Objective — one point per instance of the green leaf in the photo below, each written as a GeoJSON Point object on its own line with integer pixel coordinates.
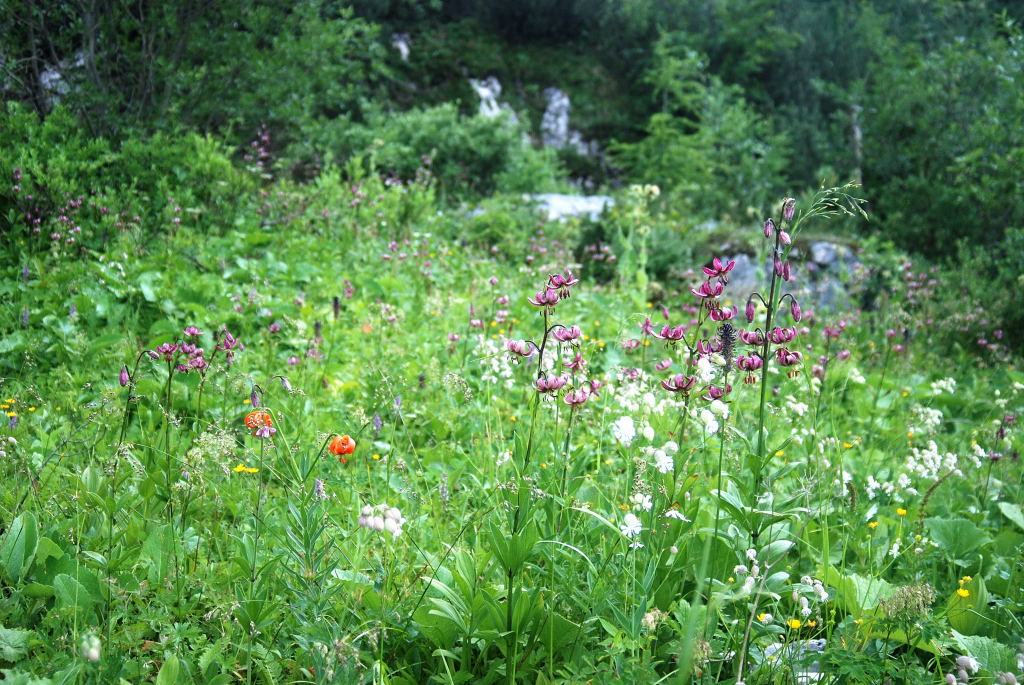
{"type": "Point", "coordinates": [991, 655]}
{"type": "Point", "coordinates": [46, 550]}
{"type": "Point", "coordinates": [957, 537]}
{"type": "Point", "coordinates": [71, 593]}
{"type": "Point", "coordinates": [19, 546]}
{"type": "Point", "coordinates": [168, 672]}
{"type": "Point", "coordinates": [968, 614]}
{"type": "Point", "coordinates": [1013, 512]}
{"type": "Point", "coordinates": [859, 594]}
{"type": "Point", "coordinates": [156, 552]}
{"type": "Point", "coordinates": [146, 285]}
{"type": "Point", "coordinates": [13, 643]}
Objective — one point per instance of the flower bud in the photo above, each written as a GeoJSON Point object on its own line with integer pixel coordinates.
{"type": "Point", "coordinates": [769, 228]}
{"type": "Point", "coordinates": [788, 208]}
{"type": "Point", "coordinates": [751, 311]}
{"type": "Point", "coordinates": [125, 377]}
{"type": "Point", "coordinates": [784, 238]}
{"type": "Point", "coordinates": [794, 309]}
{"type": "Point", "coordinates": [254, 399]}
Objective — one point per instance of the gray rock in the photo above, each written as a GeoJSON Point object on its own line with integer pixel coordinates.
{"type": "Point", "coordinates": [556, 206]}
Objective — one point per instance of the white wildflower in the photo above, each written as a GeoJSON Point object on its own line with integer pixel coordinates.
{"type": "Point", "coordinates": [631, 526]}
{"type": "Point", "coordinates": [624, 430]}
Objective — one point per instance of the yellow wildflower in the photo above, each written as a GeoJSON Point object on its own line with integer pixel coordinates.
{"type": "Point", "coordinates": [873, 525]}
{"type": "Point", "coordinates": [901, 511]}
{"type": "Point", "coordinates": [963, 592]}
{"type": "Point", "coordinates": [793, 623]}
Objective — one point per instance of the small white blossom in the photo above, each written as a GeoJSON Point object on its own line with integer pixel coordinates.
{"type": "Point", "coordinates": [631, 526]}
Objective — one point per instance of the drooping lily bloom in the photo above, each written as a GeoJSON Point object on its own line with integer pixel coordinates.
{"type": "Point", "coordinates": [563, 283]}
{"type": "Point", "coordinates": [679, 383]}
{"type": "Point", "coordinates": [575, 398]}
{"type": "Point", "coordinates": [631, 344]}
{"type": "Point", "coordinates": [192, 332]}
{"type": "Point", "coordinates": [257, 419]}
{"type": "Point", "coordinates": [594, 384]}
{"type": "Point", "coordinates": [752, 337]}
{"type": "Point", "coordinates": [750, 365]}
{"type": "Point", "coordinates": [715, 392]}
{"type": "Point", "coordinates": [781, 336]}
{"type": "Point", "coordinates": [718, 268]}
{"type": "Point", "coordinates": [544, 298]}
{"type": "Point", "coordinates": [576, 364]}
{"type": "Point", "coordinates": [787, 357]}
{"type": "Point", "coordinates": [646, 328]}
{"type": "Point", "coordinates": [663, 364]}
{"type": "Point", "coordinates": [167, 351]}
{"type": "Point", "coordinates": [723, 313]}
{"type": "Point", "coordinates": [264, 432]}
{"type": "Point", "coordinates": [670, 333]}
{"type": "Point", "coordinates": [708, 289]}
{"type": "Point", "coordinates": [342, 445]}
{"type": "Point", "coordinates": [551, 384]}
{"type": "Point", "coordinates": [522, 348]}
{"type": "Point", "coordinates": [566, 334]}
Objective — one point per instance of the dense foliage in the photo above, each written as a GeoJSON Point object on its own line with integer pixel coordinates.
{"type": "Point", "coordinates": [300, 385]}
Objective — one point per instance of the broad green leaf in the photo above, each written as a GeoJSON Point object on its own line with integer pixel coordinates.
{"type": "Point", "coordinates": [967, 613]}
{"type": "Point", "coordinates": [991, 655]}
{"type": "Point", "coordinates": [859, 594]}
{"type": "Point", "coordinates": [1013, 512]}
{"type": "Point", "coordinates": [19, 546]}
{"type": "Point", "coordinates": [71, 593]}
{"type": "Point", "coordinates": [957, 537]}
{"type": "Point", "coordinates": [168, 672]}
{"type": "Point", "coordinates": [13, 643]}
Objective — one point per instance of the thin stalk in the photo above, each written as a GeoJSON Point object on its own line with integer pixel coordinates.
{"type": "Point", "coordinates": [769, 316]}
